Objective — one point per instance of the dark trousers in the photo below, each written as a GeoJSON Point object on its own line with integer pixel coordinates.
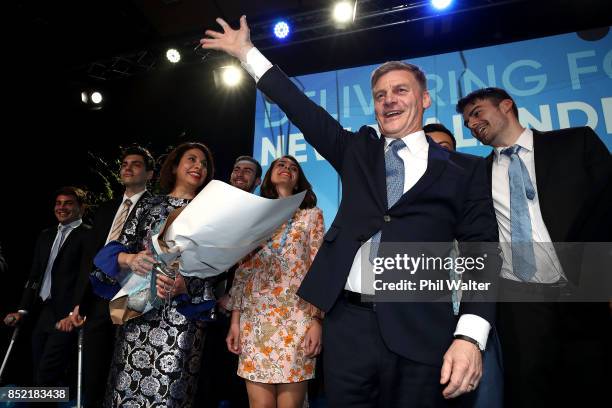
{"type": "Point", "coordinates": [98, 344]}
{"type": "Point", "coordinates": [218, 380]}
{"type": "Point", "coordinates": [554, 353]}
{"type": "Point", "coordinates": [361, 372]}
{"type": "Point", "coordinates": [490, 391]}
{"type": "Point", "coordinates": [52, 350]}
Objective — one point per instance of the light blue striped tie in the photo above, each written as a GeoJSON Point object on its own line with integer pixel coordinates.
{"type": "Point", "coordinates": [521, 189]}
{"type": "Point", "coordinates": [45, 290]}
{"type": "Point", "coordinates": [394, 167]}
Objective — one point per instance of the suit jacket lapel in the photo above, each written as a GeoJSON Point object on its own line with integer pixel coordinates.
{"type": "Point", "coordinates": [377, 179]}
{"type": "Point", "coordinates": [489, 160]}
{"type": "Point", "coordinates": [111, 211]}
{"type": "Point", "coordinates": [71, 237]}
{"type": "Point", "coordinates": [50, 237]}
{"type": "Point", "coordinates": [544, 159]}
{"type": "Point", "coordinates": [437, 159]}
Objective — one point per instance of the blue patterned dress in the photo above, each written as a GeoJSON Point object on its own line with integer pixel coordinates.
{"type": "Point", "coordinates": [157, 355]}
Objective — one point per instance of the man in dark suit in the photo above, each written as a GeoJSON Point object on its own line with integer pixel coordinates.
{"type": "Point", "coordinates": [489, 393]}
{"type": "Point", "coordinates": [136, 170]}
{"type": "Point", "coordinates": [388, 353]}
{"type": "Point", "coordinates": [554, 352]}
{"type": "Point", "coordinates": [47, 294]}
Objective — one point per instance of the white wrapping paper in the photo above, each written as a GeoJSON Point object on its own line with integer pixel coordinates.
{"type": "Point", "coordinates": [220, 226]}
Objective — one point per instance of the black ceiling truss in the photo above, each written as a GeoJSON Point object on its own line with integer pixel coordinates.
{"type": "Point", "coordinates": [307, 26]}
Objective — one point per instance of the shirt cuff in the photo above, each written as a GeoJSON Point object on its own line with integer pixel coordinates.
{"type": "Point", "coordinates": [256, 64]}
{"type": "Point", "coordinates": [475, 327]}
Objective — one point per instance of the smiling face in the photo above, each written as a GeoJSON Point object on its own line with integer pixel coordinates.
{"type": "Point", "coordinates": [399, 103]}
{"type": "Point", "coordinates": [67, 209]}
{"type": "Point", "coordinates": [191, 170]}
{"type": "Point", "coordinates": [244, 176]}
{"type": "Point", "coordinates": [487, 121]}
{"type": "Point", "coordinates": [285, 173]}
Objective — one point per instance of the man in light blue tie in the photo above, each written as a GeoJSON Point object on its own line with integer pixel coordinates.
{"type": "Point", "coordinates": [398, 186]}
{"type": "Point", "coordinates": [547, 188]}
{"type": "Point", "coordinates": [48, 291]}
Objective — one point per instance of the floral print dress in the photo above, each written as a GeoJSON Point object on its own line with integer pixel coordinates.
{"type": "Point", "coordinates": [157, 355]}
{"type": "Point", "coordinates": [273, 319]}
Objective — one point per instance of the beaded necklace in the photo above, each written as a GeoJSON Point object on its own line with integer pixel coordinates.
{"type": "Point", "coordinates": [283, 240]}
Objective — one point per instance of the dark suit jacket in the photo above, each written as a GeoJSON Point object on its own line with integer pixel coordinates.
{"type": "Point", "coordinates": [573, 176]}
{"type": "Point", "coordinates": [65, 270]}
{"type": "Point", "coordinates": [451, 201]}
{"type": "Point", "coordinates": [90, 304]}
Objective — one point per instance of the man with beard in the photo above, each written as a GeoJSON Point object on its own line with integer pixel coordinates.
{"type": "Point", "coordinates": [547, 187]}
{"type": "Point", "coordinates": [221, 383]}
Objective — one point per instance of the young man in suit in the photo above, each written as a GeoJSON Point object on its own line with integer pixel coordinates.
{"type": "Point", "coordinates": [547, 187]}
{"type": "Point", "coordinates": [388, 353]}
{"type": "Point", "coordinates": [136, 169]}
{"type": "Point", "coordinates": [47, 294]}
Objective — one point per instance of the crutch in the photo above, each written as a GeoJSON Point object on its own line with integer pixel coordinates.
{"type": "Point", "coordinates": [8, 352]}
{"type": "Point", "coordinates": [80, 368]}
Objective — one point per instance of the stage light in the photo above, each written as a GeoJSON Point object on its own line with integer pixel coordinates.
{"type": "Point", "coordinates": [228, 76]}
{"type": "Point", "coordinates": [96, 97]}
{"type": "Point", "coordinates": [344, 11]}
{"type": "Point", "coordinates": [173, 55]}
{"type": "Point", "coordinates": [231, 75]}
{"type": "Point", "coordinates": [281, 30]}
{"type": "Point", "coordinates": [441, 4]}
{"type": "Point", "coordinates": [92, 99]}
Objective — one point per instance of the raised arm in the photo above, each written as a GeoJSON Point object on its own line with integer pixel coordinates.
{"type": "Point", "coordinates": [320, 129]}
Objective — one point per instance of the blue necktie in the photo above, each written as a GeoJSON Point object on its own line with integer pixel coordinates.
{"type": "Point", "coordinates": [521, 189]}
{"type": "Point", "coordinates": [45, 290]}
{"type": "Point", "coordinates": [394, 168]}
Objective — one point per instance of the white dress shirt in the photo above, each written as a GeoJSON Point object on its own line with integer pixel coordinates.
{"type": "Point", "coordinates": [414, 156]}
{"type": "Point", "coordinates": [134, 199]}
{"type": "Point", "coordinates": [548, 267]}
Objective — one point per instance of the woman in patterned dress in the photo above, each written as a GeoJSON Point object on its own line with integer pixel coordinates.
{"type": "Point", "coordinates": [276, 333]}
{"type": "Point", "coordinates": [157, 354]}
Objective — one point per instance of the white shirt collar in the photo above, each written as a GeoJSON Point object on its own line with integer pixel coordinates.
{"type": "Point", "coordinates": [414, 141]}
{"type": "Point", "coordinates": [73, 224]}
{"type": "Point", "coordinates": [134, 198]}
{"type": "Point", "coordinates": [525, 140]}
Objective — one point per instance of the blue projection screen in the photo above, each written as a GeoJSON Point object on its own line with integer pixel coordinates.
{"type": "Point", "coordinates": [557, 82]}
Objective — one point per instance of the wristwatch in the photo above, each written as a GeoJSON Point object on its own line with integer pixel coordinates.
{"type": "Point", "coordinates": [468, 338]}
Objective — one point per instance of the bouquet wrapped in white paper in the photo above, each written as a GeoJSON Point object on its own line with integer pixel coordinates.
{"type": "Point", "coordinates": [219, 227]}
{"type": "Point", "coordinates": [214, 231]}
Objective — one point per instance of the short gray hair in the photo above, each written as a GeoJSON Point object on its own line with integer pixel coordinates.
{"type": "Point", "coordinates": [389, 66]}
